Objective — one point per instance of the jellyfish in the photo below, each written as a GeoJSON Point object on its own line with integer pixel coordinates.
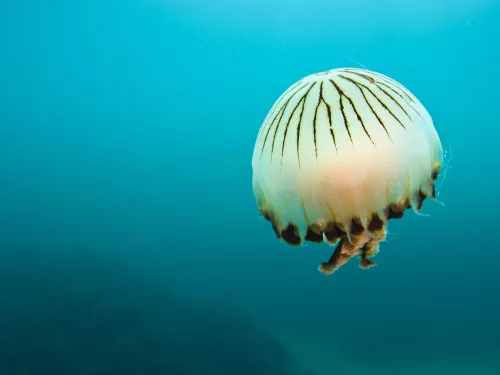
{"type": "Point", "coordinates": [339, 154]}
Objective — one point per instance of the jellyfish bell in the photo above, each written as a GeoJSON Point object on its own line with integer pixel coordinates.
{"type": "Point", "coordinates": [339, 154]}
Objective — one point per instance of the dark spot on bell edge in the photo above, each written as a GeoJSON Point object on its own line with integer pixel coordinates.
{"type": "Point", "coordinates": [291, 235]}
{"type": "Point", "coordinates": [313, 236]}
{"type": "Point", "coordinates": [376, 223]}
{"type": "Point", "coordinates": [333, 233]}
{"type": "Point", "coordinates": [391, 214]}
{"type": "Point", "coordinates": [356, 226]}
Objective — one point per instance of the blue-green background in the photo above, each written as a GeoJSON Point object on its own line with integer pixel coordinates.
{"type": "Point", "coordinates": [129, 238]}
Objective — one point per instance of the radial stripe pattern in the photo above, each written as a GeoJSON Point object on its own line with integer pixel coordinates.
{"type": "Point", "coordinates": [383, 97]}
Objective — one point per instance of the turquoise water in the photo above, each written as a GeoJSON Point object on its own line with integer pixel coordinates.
{"type": "Point", "coordinates": [130, 240]}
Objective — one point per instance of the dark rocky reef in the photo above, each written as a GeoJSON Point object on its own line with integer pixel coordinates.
{"type": "Point", "coordinates": [80, 313]}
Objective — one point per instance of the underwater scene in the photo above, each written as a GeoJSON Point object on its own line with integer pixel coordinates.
{"type": "Point", "coordinates": [249, 187]}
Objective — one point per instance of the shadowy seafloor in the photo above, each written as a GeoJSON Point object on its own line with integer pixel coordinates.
{"type": "Point", "coordinates": [78, 313]}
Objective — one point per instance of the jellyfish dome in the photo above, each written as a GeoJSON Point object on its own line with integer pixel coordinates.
{"type": "Point", "coordinates": [339, 154]}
